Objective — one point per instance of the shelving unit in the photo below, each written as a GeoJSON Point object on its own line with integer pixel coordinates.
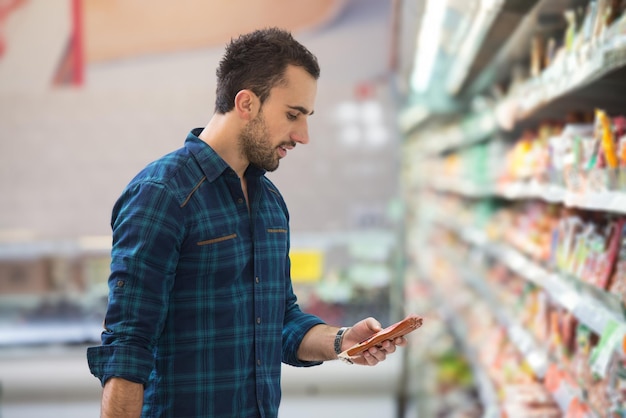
{"type": "Point", "coordinates": [560, 333]}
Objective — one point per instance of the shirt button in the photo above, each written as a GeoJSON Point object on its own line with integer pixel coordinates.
{"type": "Point", "coordinates": [258, 320]}
{"type": "Point", "coordinates": [258, 362]}
{"type": "Point", "coordinates": [120, 283]}
{"type": "Point", "coordinates": [257, 280]}
{"type": "Point", "coordinates": [240, 201]}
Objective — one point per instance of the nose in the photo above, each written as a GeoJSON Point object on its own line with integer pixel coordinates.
{"type": "Point", "coordinates": [301, 134]}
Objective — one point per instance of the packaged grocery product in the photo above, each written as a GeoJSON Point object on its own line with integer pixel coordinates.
{"type": "Point", "coordinates": [603, 254]}
{"type": "Point", "coordinates": [617, 387]}
{"type": "Point", "coordinates": [603, 175]}
{"type": "Point", "coordinates": [530, 399]}
{"type": "Point", "coordinates": [567, 328]}
{"type": "Point", "coordinates": [579, 409]}
{"type": "Point", "coordinates": [571, 229]}
{"type": "Point", "coordinates": [618, 280]}
{"type": "Point", "coordinates": [619, 124]}
{"type": "Point", "coordinates": [571, 153]}
{"type": "Point", "coordinates": [537, 54]}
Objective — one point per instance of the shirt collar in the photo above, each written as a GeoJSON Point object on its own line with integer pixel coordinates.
{"type": "Point", "coordinates": [210, 162]}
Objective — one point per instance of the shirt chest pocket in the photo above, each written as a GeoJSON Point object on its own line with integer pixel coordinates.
{"type": "Point", "coordinates": [217, 253]}
{"type": "Point", "coordinates": [217, 240]}
{"type": "Point", "coordinates": [223, 250]}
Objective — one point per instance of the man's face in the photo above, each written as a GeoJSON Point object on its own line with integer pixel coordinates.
{"type": "Point", "coordinates": [282, 121]}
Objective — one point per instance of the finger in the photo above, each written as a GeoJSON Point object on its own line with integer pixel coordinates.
{"type": "Point", "coordinates": [370, 359]}
{"type": "Point", "coordinates": [389, 347]}
{"type": "Point", "coordinates": [362, 361]}
{"type": "Point", "coordinates": [378, 354]}
{"type": "Point", "coordinates": [401, 342]}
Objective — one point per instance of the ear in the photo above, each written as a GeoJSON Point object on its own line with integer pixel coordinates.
{"type": "Point", "coordinates": [246, 104]}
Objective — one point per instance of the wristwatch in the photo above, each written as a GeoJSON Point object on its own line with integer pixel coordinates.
{"type": "Point", "coordinates": [339, 339]}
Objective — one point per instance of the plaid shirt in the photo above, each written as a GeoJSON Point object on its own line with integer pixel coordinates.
{"type": "Point", "coordinates": [201, 306]}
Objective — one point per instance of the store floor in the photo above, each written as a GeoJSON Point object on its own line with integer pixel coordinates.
{"type": "Point", "coordinates": [55, 382]}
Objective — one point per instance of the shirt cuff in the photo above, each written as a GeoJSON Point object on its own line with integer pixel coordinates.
{"type": "Point", "coordinates": [130, 363]}
{"type": "Point", "coordinates": [292, 337]}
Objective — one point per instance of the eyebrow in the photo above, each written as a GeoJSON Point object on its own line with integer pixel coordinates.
{"type": "Point", "coordinates": [302, 110]}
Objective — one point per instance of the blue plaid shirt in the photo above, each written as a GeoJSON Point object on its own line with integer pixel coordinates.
{"type": "Point", "coordinates": [201, 306]}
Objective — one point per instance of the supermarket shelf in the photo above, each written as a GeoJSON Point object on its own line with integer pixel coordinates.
{"type": "Point", "coordinates": [565, 392]}
{"type": "Point", "coordinates": [582, 81]}
{"type": "Point", "coordinates": [504, 21]}
{"type": "Point", "coordinates": [592, 76]}
{"type": "Point", "coordinates": [591, 306]}
{"type": "Point", "coordinates": [605, 201]}
{"type": "Point", "coordinates": [472, 129]}
{"type": "Point", "coordinates": [486, 390]}
{"type": "Point", "coordinates": [484, 385]}
{"type": "Point", "coordinates": [608, 201]}
{"type": "Point", "coordinates": [536, 357]}
{"type": "Point", "coordinates": [461, 187]}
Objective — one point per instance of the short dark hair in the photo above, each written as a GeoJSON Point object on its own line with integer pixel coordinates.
{"type": "Point", "coordinates": [257, 61]}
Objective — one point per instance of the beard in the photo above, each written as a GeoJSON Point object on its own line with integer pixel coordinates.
{"type": "Point", "coordinates": [255, 145]}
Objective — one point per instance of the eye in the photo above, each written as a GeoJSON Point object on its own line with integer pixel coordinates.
{"type": "Point", "coordinates": [292, 116]}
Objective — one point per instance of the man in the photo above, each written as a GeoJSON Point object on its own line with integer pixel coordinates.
{"type": "Point", "coordinates": [201, 307]}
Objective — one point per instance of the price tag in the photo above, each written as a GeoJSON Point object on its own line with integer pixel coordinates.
{"type": "Point", "coordinates": [611, 342]}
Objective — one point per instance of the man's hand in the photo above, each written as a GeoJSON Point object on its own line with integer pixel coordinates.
{"type": "Point", "coordinates": [361, 331]}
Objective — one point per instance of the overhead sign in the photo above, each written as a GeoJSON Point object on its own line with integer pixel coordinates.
{"type": "Point", "coordinates": [306, 265]}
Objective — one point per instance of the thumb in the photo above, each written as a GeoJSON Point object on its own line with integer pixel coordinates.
{"type": "Point", "coordinates": [373, 324]}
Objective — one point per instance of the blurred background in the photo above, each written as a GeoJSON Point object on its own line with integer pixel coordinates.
{"type": "Point", "coordinates": [93, 90]}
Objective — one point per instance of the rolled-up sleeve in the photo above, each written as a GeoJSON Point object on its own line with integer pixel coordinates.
{"type": "Point", "coordinates": [130, 363]}
{"type": "Point", "coordinates": [147, 232]}
{"type": "Point", "coordinates": [296, 327]}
